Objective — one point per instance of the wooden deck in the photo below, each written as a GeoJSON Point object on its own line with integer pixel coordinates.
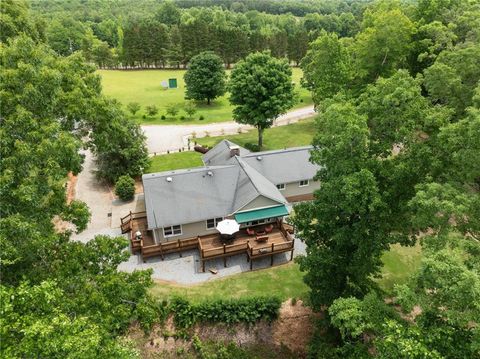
{"type": "Point", "coordinates": [278, 241]}
{"type": "Point", "coordinates": [210, 247]}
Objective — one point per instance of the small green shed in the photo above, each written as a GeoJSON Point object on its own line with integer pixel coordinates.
{"type": "Point", "coordinates": [172, 83]}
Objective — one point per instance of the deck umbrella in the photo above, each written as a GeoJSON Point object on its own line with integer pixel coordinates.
{"type": "Point", "coordinates": [228, 226]}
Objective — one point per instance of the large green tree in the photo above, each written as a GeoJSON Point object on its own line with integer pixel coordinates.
{"type": "Point", "coordinates": [205, 78]}
{"type": "Point", "coordinates": [327, 67]}
{"type": "Point", "coordinates": [371, 159]}
{"type": "Point", "coordinates": [261, 89]}
{"type": "Point", "coordinates": [59, 298]}
{"type": "Point", "coordinates": [384, 43]}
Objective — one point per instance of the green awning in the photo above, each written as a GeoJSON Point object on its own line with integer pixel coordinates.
{"type": "Point", "coordinates": [257, 214]}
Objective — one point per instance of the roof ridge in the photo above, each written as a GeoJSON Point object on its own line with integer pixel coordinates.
{"type": "Point", "coordinates": [183, 171]}
{"type": "Point", "coordinates": [246, 167]}
{"type": "Point", "coordinates": [284, 150]}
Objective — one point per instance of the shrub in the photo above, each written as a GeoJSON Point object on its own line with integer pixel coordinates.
{"type": "Point", "coordinates": [201, 118]}
{"type": "Point", "coordinates": [190, 108]}
{"type": "Point", "coordinates": [152, 110]}
{"type": "Point", "coordinates": [133, 107]}
{"type": "Point", "coordinates": [163, 117]}
{"type": "Point", "coordinates": [125, 188]}
{"type": "Point", "coordinates": [172, 109]}
{"type": "Point", "coordinates": [246, 310]}
{"type": "Point", "coordinates": [182, 118]}
{"type": "Point", "coordinates": [252, 147]}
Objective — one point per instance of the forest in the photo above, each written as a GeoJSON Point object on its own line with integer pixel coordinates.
{"type": "Point", "coordinates": [128, 34]}
{"type": "Point", "coordinates": [396, 86]}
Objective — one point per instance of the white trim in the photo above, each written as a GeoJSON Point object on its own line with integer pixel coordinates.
{"type": "Point", "coordinates": [215, 223]}
{"type": "Point", "coordinates": [173, 234]}
{"type": "Point", "coordinates": [281, 186]}
{"type": "Point", "coordinates": [303, 185]}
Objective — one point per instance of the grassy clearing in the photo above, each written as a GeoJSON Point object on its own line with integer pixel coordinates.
{"type": "Point", "coordinates": [144, 87]}
{"type": "Point", "coordinates": [297, 134]}
{"type": "Point", "coordinates": [174, 161]}
{"type": "Point", "coordinates": [399, 263]}
{"type": "Point", "coordinates": [285, 281]}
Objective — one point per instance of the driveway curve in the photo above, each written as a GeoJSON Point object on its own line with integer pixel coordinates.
{"type": "Point", "coordinates": [163, 138]}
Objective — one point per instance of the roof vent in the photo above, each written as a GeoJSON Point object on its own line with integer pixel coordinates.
{"type": "Point", "coordinates": [169, 179]}
{"type": "Point", "coordinates": [259, 158]}
{"type": "Point", "coordinates": [210, 173]}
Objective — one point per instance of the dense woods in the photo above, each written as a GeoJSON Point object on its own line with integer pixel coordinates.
{"type": "Point", "coordinates": [148, 34]}
{"type": "Point", "coordinates": [398, 141]}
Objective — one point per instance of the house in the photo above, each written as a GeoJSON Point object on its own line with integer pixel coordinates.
{"type": "Point", "coordinates": [183, 207]}
{"type": "Point", "coordinates": [254, 188]}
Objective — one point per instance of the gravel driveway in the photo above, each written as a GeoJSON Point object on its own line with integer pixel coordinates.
{"type": "Point", "coordinates": [163, 138]}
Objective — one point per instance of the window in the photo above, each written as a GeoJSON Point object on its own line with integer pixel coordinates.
{"type": "Point", "coordinates": [212, 222]}
{"type": "Point", "coordinates": [281, 186]}
{"type": "Point", "coordinates": [303, 183]}
{"type": "Point", "coordinates": [172, 231]}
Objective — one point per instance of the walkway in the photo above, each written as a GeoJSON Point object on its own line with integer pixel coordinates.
{"type": "Point", "coordinates": [163, 138]}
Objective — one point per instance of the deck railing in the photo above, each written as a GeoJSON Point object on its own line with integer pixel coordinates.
{"type": "Point", "coordinates": [224, 250]}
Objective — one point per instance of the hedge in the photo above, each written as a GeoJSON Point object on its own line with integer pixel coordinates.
{"type": "Point", "coordinates": [246, 310]}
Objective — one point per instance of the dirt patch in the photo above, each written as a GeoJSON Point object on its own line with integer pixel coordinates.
{"type": "Point", "coordinates": [71, 183]}
{"type": "Point", "coordinates": [292, 331]}
{"type": "Point", "coordinates": [138, 186]}
{"type": "Point", "coordinates": [294, 327]}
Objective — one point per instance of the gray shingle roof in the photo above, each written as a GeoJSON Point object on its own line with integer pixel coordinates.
{"type": "Point", "coordinates": [197, 194]}
{"type": "Point", "coordinates": [224, 185]}
{"type": "Point", "coordinates": [191, 196]}
{"type": "Point", "coordinates": [283, 166]}
{"type": "Point", "coordinates": [220, 154]}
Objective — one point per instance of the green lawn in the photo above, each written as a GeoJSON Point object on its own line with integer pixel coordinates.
{"type": "Point", "coordinates": [285, 281]}
{"type": "Point", "coordinates": [297, 134]}
{"type": "Point", "coordinates": [399, 263]}
{"type": "Point", "coordinates": [174, 161]}
{"type": "Point", "coordinates": [144, 87]}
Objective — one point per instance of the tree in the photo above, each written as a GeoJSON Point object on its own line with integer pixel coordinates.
{"type": "Point", "coordinates": [383, 45]}
{"type": "Point", "coordinates": [326, 67]}
{"type": "Point", "coordinates": [59, 298]}
{"type": "Point", "coordinates": [168, 13]}
{"type": "Point", "coordinates": [205, 77]}
{"type": "Point", "coordinates": [133, 107]}
{"type": "Point", "coordinates": [261, 89]}
{"type": "Point", "coordinates": [452, 79]}
{"type": "Point", "coordinates": [14, 19]}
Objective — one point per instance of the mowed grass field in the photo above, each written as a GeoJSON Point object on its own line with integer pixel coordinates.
{"type": "Point", "coordinates": [285, 281]}
{"type": "Point", "coordinates": [144, 87]}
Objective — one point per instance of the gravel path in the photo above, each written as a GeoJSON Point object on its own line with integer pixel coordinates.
{"type": "Point", "coordinates": [163, 138]}
{"type": "Point", "coordinates": [98, 198]}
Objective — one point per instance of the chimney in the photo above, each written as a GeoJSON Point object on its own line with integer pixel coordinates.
{"type": "Point", "coordinates": [234, 150]}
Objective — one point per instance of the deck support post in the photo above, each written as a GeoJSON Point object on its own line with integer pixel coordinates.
{"type": "Point", "coordinates": [251, 263]}
{"type": "Point", "coordinates": [291, 255]}
{"type": "Point", "coordinates": [203, 266]}
{"type": "Point", "coordinates": [225, 262]}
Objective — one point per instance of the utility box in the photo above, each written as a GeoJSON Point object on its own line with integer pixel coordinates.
{"type": "Point", "coordinates": [172, 83]}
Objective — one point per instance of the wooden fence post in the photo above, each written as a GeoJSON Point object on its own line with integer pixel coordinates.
{"type": "Point", "coordinates": [271, 256]}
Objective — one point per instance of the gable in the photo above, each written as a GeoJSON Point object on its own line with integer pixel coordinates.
{"type": "Point", "coordinates": [259, 202]}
